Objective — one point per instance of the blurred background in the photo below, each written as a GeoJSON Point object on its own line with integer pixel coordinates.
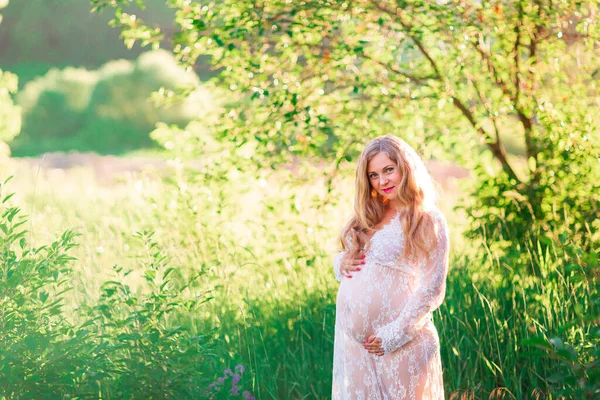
{"type": "Point", "coordinates": [80, 87]}
{"type": "Point", "coordinates": [176, 173]}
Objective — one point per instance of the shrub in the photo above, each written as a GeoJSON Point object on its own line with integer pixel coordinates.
{"type": "Point", "coordinates": [125, 345]}
{"type": "Point", "coordinates": [124, 89]}
{"type": "Point", "coordinates": [40, 351]}
{"type": "Point", "coordinates": [54, 105]}
{"type": "Point", "coordinates": [562, 204]}
{"type": "Point", "coordinates": [109, 110]}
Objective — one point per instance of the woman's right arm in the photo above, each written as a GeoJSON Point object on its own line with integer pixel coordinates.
{"type": "Point", "coordinates": [344, 264]}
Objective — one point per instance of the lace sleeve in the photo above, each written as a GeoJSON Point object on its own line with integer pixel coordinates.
{"type": "Point", "coordinates": [429, 294]}
{"type": "Point", "coordinates": [336, 265]}
{"type": "Point", "coordinates": [338, 259]}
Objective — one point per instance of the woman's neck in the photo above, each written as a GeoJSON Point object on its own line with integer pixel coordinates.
{"type": "Point", "coordinates": [394, 207]}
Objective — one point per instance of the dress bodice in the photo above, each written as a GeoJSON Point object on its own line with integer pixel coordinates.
{"type": "Point", "coordinates": [387, 245]}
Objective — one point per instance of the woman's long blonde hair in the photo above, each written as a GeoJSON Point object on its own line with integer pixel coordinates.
{"type": "Point", "coordinates": [415, 195]}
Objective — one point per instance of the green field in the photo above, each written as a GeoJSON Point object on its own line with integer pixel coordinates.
{"type": "Point", "coordinates": [263, 246]}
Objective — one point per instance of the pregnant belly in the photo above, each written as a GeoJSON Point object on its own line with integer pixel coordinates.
{"type": "Point", "coordinates": [370, 299]}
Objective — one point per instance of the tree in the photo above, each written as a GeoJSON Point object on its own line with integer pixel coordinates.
{"type": "Point", "coordinates": [320, 77]}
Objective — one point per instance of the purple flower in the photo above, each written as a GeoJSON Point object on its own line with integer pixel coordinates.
{"type": "Point", "coordinates": [221, 380]}
{"type": "Point", "coordinates": [235, 391]}
{"type": "Point", "coordinates": [246, 394]}
{"type": "Point", "coordinates": [228, 372]}
{"type": "Point", "coordinates": [239, 368]}
{"type": "Point", "coordinates": [236, 378]}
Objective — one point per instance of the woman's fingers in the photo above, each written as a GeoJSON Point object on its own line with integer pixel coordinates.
{"type": "Point", "coordinates": [373, 345]}
{"type": "Point", "coordinates": [352, 264]}
{"type": "Point", "coordinates": [357, 262]}
{"type": "Point", "coordinates": [377, 352]}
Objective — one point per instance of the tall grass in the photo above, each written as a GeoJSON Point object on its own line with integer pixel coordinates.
{"type": "Point", "coordinates": [262, 246]}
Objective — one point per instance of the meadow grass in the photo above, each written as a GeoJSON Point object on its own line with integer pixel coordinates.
{"type": "Point", "coordinates": [263, 246]}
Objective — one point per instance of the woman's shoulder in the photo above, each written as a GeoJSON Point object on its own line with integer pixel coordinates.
{"type": "Point", "coordinates": [437, 217]}
{"type": "Point", "coordinates": [434, 212]}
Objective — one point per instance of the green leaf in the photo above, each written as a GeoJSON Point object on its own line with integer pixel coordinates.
{"type": "Point", "coordinates": [5, 199]}
{"type": "Point", "coordinates": [150, 275]}
{"type": "Point", "coordinates": [43, 296]}
{"type": "Point", "coordinates": [536, 341]}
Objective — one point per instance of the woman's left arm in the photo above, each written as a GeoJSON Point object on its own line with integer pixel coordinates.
{"type": "Point", "coordinates": [430, 292]}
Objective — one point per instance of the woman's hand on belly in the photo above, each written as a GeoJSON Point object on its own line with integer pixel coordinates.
{"type": "Point", "coordinates": [373, 345]}
{"type": "Point", "coordinates": [350, 263]}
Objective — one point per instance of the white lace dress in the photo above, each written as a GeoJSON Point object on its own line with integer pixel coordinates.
{"type": "Point", "coordinates": [394, 301]}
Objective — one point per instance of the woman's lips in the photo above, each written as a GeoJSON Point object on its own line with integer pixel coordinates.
{"type": "Point", "coordinates": [389, 189]}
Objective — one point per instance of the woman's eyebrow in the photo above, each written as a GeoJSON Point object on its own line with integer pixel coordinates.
{"type": "Point", "coordinates": [387, 166]}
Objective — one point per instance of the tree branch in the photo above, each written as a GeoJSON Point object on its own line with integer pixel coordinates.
{"type": "Point", "coordinates": [488, 108]}
{"type": "Point", "coordinates": [413, 78]}
{"type": "Point", "coordinates": [495, 147]}
{"type": "Point", "coordinates": [408, 30]}
{"type": "Point", "coordinates": [498, 81]}
{"type": "Point", "coordinates": [517, 79]}
{"type": "Point", "coordinates": [487, 59]}
{"type": "Point", "coordinates": [527, 122]}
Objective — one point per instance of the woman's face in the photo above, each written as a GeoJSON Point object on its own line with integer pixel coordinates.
{"type": "Point", "coordinates": [384, 176]}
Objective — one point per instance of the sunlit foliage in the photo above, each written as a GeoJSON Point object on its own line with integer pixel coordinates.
{"type": "Point", "coordinates": [319, 78]}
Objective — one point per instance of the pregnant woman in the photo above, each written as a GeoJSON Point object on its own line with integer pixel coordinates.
{"type": "Point", "coordinates": [392, 271]}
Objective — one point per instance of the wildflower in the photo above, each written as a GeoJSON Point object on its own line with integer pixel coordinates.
{"type": "Point", "coordinates": [240, 369]}
{"type": "Point", "coordinates": [235, 390]}
{"type": "Point", "coordinates": [221, 380]}
{"type": "Point", "coordinates": [228, 372]}
{"type": "Point", "coordinates": [236, 378]}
